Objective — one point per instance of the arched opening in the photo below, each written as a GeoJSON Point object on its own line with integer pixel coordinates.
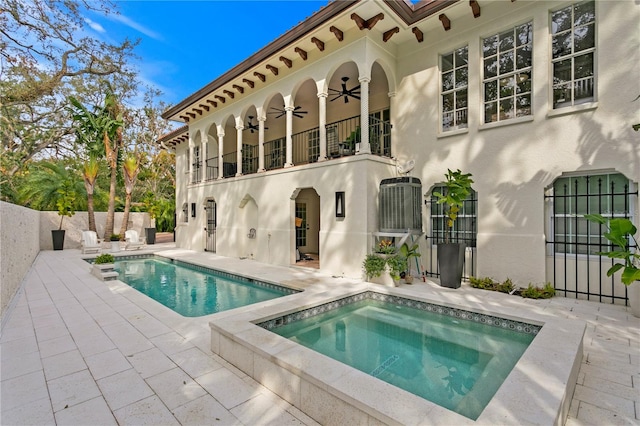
{"type": "Point", "coordinates": [275, 134]}
{"type": "Point", "coordinates": [211, 172]}
{"type": "Point", "coordinates": [230, 148]}
{"type": "Point", "coordinates": [250, 141]}
{"type": "Point", "coordinates": [307, 228]}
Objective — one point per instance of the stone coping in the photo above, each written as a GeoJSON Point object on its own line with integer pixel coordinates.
{"type": "Point", "coordinates": [537, 391]}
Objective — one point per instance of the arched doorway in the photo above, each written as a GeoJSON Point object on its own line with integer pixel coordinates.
{"type": "Point", "coordinates": [307, 228]}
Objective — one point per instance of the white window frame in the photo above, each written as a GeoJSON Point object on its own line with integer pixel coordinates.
{"type": "Point", "coordinates": [455, 90]}
{"type": "Point", "coordinates": [521, 77]}
{"type": "Point", "coordinates": [572, 104]}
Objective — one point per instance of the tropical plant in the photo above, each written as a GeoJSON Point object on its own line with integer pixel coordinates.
{"type": "Point", "coordinates": [397, 264]}
{"type": "Point", "coordinates": [457, 189]}
{"type": "Point", "coordinates": [619, 232]}
{"type": "Point", "coordinates": [104, 258]}
{"type": "Point", "coordinates": [409, 252]}
{"type": "Point", "coordinates": [385, 247]}
{"type": "Point", "coordinates": [90, 174]}
{"type": "Point", "coordinates": [373, 265]}
{"type": "Point", "coordinates": [130, 170]}
{"type": "Point", "coordinates": [114, 237]}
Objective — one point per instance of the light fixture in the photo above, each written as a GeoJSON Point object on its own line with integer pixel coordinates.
{"type": "Point", "coordinates": [340, 204]}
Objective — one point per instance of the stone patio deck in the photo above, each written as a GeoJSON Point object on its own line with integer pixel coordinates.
{"type": "Point", "coordinates": [77, 351]}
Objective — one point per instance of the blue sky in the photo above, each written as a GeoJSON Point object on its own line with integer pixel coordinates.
{"type": "Point", "coordinates": [187, 44]}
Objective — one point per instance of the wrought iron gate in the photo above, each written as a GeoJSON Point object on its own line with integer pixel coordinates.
{"type": "Point", "coordinates": [574, 266]}
{"type": "Point", "coordinates": [211, 226]}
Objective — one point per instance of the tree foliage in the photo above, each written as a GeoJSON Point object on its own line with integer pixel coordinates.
{"type": "Point", "coordinates": [46, 55]}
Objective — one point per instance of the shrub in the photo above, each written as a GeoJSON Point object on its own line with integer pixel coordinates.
{"type": "Point", "coordinates": [534, 292]}
{"type": "Point", "coordinates": [115, 237]}
{"type": "Point", "coordinates": [104, 258]}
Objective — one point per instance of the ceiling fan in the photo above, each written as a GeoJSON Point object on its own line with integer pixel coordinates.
{"type": "Point", "coordinates": [296, 112]}
{"type": "Point", "coordinates": [251, 126]}
{"type": "Point", "coordinates": [353, 92]}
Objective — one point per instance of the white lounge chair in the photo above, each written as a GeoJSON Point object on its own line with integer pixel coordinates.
{"type": "Point", "coordinates": [133, 241]}
{"type": "Point", "coordinates": [90, 242]}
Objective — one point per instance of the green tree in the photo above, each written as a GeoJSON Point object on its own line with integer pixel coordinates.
{"type": "Point", "coordinates": [46, 56]}
{"type": "Point", "coordinates": [130, 171]}
{"type": "Point", "coordinates": [90, 174]}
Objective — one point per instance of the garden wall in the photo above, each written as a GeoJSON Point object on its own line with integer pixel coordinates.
{"type": "Point", "coordinates": [24, 232]}
{"type": "Point", "coordinates": [19, 246]}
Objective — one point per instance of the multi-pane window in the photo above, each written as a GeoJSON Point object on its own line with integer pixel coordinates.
{"type": "Point", "coordinates": [576, 196]}
{"type": "Point", "coordinates": [507, 64]}
{"type": "Point", "coordinates": [464, 229]}
{"type": "Point", "coordinates": [573, 44]}
{"type": "Point", "coordinates": [301, 231]}
{"type": "Point", "coordinates": [454, 75]}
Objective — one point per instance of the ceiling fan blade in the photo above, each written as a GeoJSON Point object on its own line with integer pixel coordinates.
{"type": "Point", "coordinates": [356, 97]}
{"type": "Point", "coordinates": [337, 97]}
{"type": "Point", "coordinates": [346, 99]}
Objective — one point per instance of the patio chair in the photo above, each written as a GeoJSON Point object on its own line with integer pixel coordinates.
{"type": "Point", "coordinates": [90, 243]}
{"type": "Point", "coordinates": [133, 241]}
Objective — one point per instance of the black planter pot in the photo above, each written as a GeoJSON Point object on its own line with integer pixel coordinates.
{"type": "Point", "coordinates": [450, 262]}
{"type": "Point", "coordinates": [150, 233]}
{"type": "Point", "coordinates": [58, 238]}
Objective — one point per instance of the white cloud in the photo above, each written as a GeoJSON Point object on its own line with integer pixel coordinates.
{"type": "Point", "coordinates": [138, 27]}
{"type": "Point", "coordinates": [95, 26]}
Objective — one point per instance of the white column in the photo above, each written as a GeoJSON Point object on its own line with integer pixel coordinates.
{"type": "Point", "coordinates": [289, 159]}
{"type": "Point", "coordinates": [205, 142]}
{"type": "Point", "coordinates": [365, 148]}
{"type": "Point", "coordinates": [239, 129]}
{"type": "Point", "coordinates": [261, 121]}
{"type": "Point", "coordinates": [220, 151]}
{"type": "Point", "coordinates": [322, 123]}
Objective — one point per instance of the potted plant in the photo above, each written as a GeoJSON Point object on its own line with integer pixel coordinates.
{"type": "Point", "coordinates": [451, 255]}
{"type": "Point", "coordinates": [115, 243]}
{"type": "Point", "coordinates": [384, 258]}
{"type": "Point", "coordinates": [104, 267]}
{"type": "Point", "coordinates": [620, 231]}
{"type": "Point", "coordinates": [65, 203]}
{"type": "Point", "coordinates": [409, 252]}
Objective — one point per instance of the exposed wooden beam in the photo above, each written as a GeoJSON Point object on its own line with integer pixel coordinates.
{"type": "Point", "coordinates": [214, 103]}
{"type": "Point", "coordinates": [446, 22]}
{"type": "Point", "coordinates": [475, 8]}
{"type": "Point", "coordinates": [418, 33]}
{"type": "Point", "coordinates": [190, 114]}
{"type": "Point", "coordinates": [238, 88]}
{"type": "Point", "coordinates": [319, 43]}
{"type": "Point", "coordinates": [229, 93]}
{"type": "Point", "coordinates": [339, 34]}
{"type": "Point", "coordinates": [301, 52]}
{"type": "Point", "coordinates": [261, 77]}
{"type": "Point", "coordinates": [388, 34]}
{"type": "Point", "coordinates": [204, 107]}
{"type": "Point", "coordinates": [220, 98]}
{"type": "Point", "coordinates": [288, 62]}
{"type": "Point", "coordinates": [185, 118]}
{"type": "Point", "coordinates": [248, 82]}
{"type": "Point", "coordinates": [198, 110]}
{"type": "Point", "coordinates": [369, 23]}
{"type": "Point", "coordinates": [360, 22]}
{"type": "Point", "coordinates": [273, 69]}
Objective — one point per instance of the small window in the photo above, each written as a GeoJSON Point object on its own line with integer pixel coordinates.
{"type": "Point", "coordinates": [507, 73]}
{"type": "Point", "coordinates": [465, 227]}
{"type": "Point", "coordinates": [454, 81]}
{"type": "Point", "coordinates": [185, 212]}
{"type": "Point", "coordinates": [573, 49]}
{"type": "Point", "coordinates": [576, 196]}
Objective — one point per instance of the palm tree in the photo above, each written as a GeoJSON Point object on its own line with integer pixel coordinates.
{"type": "Point", "coordinates": [90, 174]}
{"type": "Point", "coordinates": [52, 186]}
{"type": "Point", "coordinates": [130, 169]}
{"type": "Point", "coordinates": [101, 131]}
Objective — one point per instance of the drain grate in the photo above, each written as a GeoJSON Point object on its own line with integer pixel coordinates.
{"type": "Point", "coordinates": [386, 364]}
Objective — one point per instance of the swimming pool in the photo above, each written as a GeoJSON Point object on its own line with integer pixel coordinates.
{"type": "Point", "coordinates": [437, 353]}
{"type": "Point", "coordinates": [192, 290]}
{"type": "Point", "coordinates": [537, 390]}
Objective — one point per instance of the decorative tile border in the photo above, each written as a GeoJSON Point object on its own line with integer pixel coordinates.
{"type": "Point", "coordinates": [517, 326]}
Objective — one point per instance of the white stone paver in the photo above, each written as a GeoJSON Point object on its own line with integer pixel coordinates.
{"type": "Point", "coordinates": [77, 351]}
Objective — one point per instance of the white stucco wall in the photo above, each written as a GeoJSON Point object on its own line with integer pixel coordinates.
{"type": "Point", "coordinates": [513, 162]}
{"type": "Point", "coordinates": [19, 246]}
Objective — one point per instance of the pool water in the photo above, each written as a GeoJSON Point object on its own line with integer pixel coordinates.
{"type": "Point", "coordinates": [189, 291]}
{"type": "Point", "coordinates": [453, 362]}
